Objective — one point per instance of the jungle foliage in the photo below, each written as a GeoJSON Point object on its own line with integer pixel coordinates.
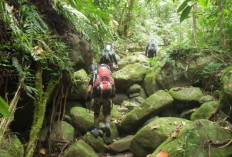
{"type": "Point", "coordinates": [35, 60]}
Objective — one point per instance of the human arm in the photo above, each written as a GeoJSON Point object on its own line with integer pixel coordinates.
{"type": "Point", "coordinates": [88, 91]}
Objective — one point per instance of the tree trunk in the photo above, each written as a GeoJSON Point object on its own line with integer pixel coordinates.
{"type": "Point", "coordinates": [127, 20]}
{"type": "Point", "coordinates": [194, 29]}
{"type": "Point", "coordinates": [39, 110]}
{"type": "Point", "coordinates": [221, 23]}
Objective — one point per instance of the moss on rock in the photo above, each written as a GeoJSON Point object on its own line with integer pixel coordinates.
{"type": "Point", "coordinates": [200, 138]}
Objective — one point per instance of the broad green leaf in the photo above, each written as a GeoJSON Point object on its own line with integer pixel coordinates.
{"type": "Point", "coordinates": [4, 108]}
{"type": "Point", "coordinates": [185, 13]}
{"type": "Point", "coordinates": [183, 5]}
{"type": "Point", "coordinates": [204, 3]}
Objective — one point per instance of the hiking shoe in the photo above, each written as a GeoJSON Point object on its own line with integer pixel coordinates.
{"type": "Point", "coordinates": [107, 128]}
{"type": "Point", "coordinates": [95, 132]}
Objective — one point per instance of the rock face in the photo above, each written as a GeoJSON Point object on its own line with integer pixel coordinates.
{"type": "Point", "coordinates": [129, 75]}
{"type": "Point", "coordinates": [147, 139]}
{"type": "Point", "coordinates": [179, 73]}
{"type": "Point", "coordinates": [200, 138]}
{"type": "Point", "coordinates": [82, 118]}
{"type": "Point", "coordinates": [81, 83]}
{"type": "Point", "coordinates": [60, 131]}
{"type": "Point", "coordinates": [80, 149]}
{"type": "Point", "coordinates": [151, 106]}
{"type": "Point", "coordinates": [11, 147]}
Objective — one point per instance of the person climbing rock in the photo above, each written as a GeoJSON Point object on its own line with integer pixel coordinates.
{"type": "Point", "coordinates": [150, 49]}
{"type": "Point", "coordinates": [102, 89]}
{"type": "Point", "coordinates": [108, 56]}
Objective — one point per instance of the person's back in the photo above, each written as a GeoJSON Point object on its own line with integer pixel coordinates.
{"type": "Point", "coordinates": [108, 56]}
{"type": "Point", "coordinates": [150, 49]}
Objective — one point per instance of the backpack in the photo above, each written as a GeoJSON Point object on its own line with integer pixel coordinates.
{"type": "Point", "coordinates": [103, 82]}
{"type": "Point", "coordinates": [151, 47]}
{"type": "Point", "coordinates": [107, 53]}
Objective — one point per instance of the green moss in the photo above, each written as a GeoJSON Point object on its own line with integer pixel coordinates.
{"type": "Point", "coordinates": [147, 139]}
{"type": "Point", "coordinates": [80, 149]}
{"type": "Point", "coordinates": [186, 94]}
{"type": "Point", "coordinates": [204, 111]}
{"type": "Point", "coordinates": [197, 139]}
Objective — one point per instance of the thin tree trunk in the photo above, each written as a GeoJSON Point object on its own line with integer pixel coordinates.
{"type": "Point", "coordinates": [194, 29]}
{"type": "Point", "coordinates": [39, 110]}
{"type": "Point", "coordinates": [127, 20]}
{"type": "Point", "coordinates": [5, 122]}
{"type": "Point", "coordinates": [221, 23]}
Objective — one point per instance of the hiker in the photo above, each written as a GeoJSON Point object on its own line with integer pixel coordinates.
{"type": "Point", "coordinates": [150, 49]}
{"type": "Point", "coordinates": [108, 56]}
{"type": "Point", "coordinates": [103, 91]}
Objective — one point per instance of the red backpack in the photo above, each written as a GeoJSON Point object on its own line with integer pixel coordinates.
{"type": "Point", "coordinates": [103, 82]}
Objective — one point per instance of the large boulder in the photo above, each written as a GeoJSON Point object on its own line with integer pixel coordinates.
{"type": "Point", "coordinates": [186, 94]}
{"type": "Point", "coordinates": [81, 82]}
{"type": "Point", "coordinates": [183, 69]}
{"type": "Point", "coordinates": [129, 75]}
{"type": "Point", "coordinates": [205, 111]}
{"type": "Point", "coordinates": [82, 119]}
{"type": "Point", "coordinates": [151, 106]}
{"type": "Point", "coordinates": [132, 59]}
{"type": "Point", "coordinates": [150, 84]}
{"type": "Point", "coordinates": [97, 143]}
{"type": "Point", "coordinates": [201, 138]}
{"type": "Point", "coordinates": [147, 139]}
{"type": "Point", "coordinates": [80, 149]}
{"type": "Point", "coordinates": [11, 147]}
{"type": "Point", "coordinates": [186, 97]}
{"type": "Point", "coordinates": [122, 144]}
{"type": "Point", "coordinates": [59, 131]}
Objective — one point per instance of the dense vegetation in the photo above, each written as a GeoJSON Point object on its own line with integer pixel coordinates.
{"type": "Point", "coordinates": [38, 58]}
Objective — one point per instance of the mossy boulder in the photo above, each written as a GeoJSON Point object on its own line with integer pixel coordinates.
{"type": "Point", "coordinates": [150, 84]}
{"type": "Point", "coordinates": [113, 134]}
{"type": "Point", "coordinates": [206, 98]}
{"type": "Point", "coordinates": [129, 75]}
{"type": "Point", "coordinates": [119, 98]}
{"type": "Point", "coordinates": [200, 138]}
{"type": "Point", "coordinates": [135, 88]}
{"type": "Point", "coordinates": [186, 94]}
{"type": "Point", "coordinates": [59, 131]}
{"type": "Point", "coordinates": [179, 73]}
{"type": "Point", "coordinates": [96, 143]}
{"type": "Point", "coordinates": [82, 119]}
{"type": "Point", "coordinates": [80, 149]}
{"type": "Point", "coordinates": [11, 147]}
{"type": "Point", "coordinates": [227, 82]}
{"type": "Point", "coordinates": [206, 110]}
{"type": "Point", "coordinates": [81, 82]}
{"type": "Point", "coordinates": [132, 59]}
{"type": "Point", "coordinates": [122, 144]}
{"type": "Point", "coordinates": [150, 107]}
{"type": "Point", "coordinates": [147, 139]}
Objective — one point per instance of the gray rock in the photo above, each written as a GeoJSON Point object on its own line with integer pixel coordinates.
{"type": "Point", "coordinates": [119, 98]}
{"type": "Point", "coordinates": [82, 118]}
{"type": "Point", "coordinates": [97, 143]}
{"type": "Point", "coordinates": [59, 131]}
{"type": "Point", "coordinates": [135, 88]}
{"type": "Point", "coordinates": [129, 75]}
{"type": "Point", "coordinates": [206, 98]}
{"type": "Point", "coordinates": [151, 106]}
{"type": "Point", "coordinates": [147, 139]}
{"type": "Point", "coordinates": [122, 144]}
{"type": "Point", "coordinates": [80, 149]}
{"type": "Point", "coordinates": [190, 140]}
